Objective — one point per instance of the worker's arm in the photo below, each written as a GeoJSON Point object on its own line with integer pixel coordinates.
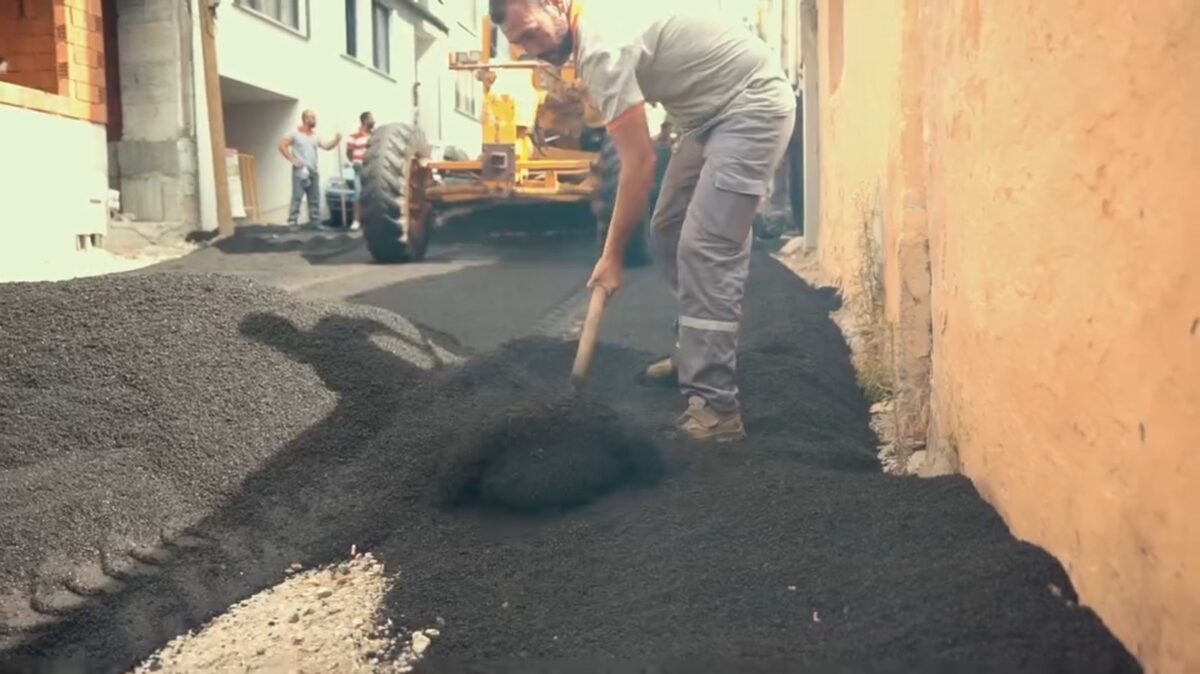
{"type": "Point", "coordinates": [350, 151]}
{"type": "Point", "coordinates": [332, 143]}
{"type": "Point", "coordinates": [608, 67]}
{"type": "Point", "coordinates": [631, 136]}
{"type": "Point", "coordinates": [285, 149]}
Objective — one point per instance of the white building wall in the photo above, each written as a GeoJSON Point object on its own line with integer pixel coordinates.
{"type": "Point", "coordinates": [457, 127]}
{"type": "Point", "coordinates": [48, 201]}
{"type": "Point", "coordinates": [297, 70]}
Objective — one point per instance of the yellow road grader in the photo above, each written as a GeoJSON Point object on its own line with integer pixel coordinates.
{"type": "Point", "coordinates": [541, 144]}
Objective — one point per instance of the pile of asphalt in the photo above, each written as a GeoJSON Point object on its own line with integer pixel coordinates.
{"type": "Point", "coordinates": [133, 407]}
{"type": "Point", "coordinates": [544, 457]}
{"type": "Point", "coordinates": [790, 550]}
{"type": "Point", "coordinates": [314, 242]}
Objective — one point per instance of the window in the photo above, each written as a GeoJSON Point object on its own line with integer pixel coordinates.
{"type": "Point", "coordinates": [464, 93]}
{"type": "Point", "coordinates": [286, 12]}
{"type": "Point", "coordinates": [382, 29]}
{"type": "Point", "coordinates": [352, 27]}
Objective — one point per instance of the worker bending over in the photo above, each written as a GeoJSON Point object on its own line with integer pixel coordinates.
{"type": "Point", "coordinates": [734, 110]}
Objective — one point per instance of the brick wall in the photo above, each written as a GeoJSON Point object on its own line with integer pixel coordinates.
{"type": "Point", "coordinates": [27, 42]}
{"type": "Point", "coordinates": [55, 50]}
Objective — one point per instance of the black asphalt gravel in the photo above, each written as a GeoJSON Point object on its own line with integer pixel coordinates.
{"type": "Point", "coordinates": [545, 457]}
{"type": "Point", "coordinates": [305, 432]}
{"type": "Point", "coordinates": [118, 432]}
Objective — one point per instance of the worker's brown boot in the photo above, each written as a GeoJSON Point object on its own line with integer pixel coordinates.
{"type": "Point", "coordinates": [704, 424]}
{"type": "Point", "coordinates": [660, 373]}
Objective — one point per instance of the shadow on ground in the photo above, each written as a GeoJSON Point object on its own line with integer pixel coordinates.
{"type": "Point", "coordinates": [787, 550]}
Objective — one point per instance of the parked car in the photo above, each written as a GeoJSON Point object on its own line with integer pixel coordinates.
{"type": "Point", "coordinates": [341, 191]}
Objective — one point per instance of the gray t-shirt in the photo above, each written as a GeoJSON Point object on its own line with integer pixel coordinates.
{"type": "Point", "coordinates": [304, 148]}
{"type": "Point", "coordinates": [699, 68]}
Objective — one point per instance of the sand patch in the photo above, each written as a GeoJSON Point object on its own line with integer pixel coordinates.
{"type": "Point", "coordinates": [322, 620]}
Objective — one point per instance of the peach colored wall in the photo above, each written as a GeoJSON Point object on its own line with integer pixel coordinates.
{"type": "Point", "coordinates": [874, 237]}
{"type": "Point", "coordinates": [1048, 155]}
{"type": "Point", "coordinates": [860, 124]}
{"type": "Point", "coordinates": [1064, 191]}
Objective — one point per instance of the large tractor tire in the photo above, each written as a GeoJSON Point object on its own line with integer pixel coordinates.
{"type": "Point", "coordinates": [396, 217]}
{"type": "Point", "coordinates": [608, 167]}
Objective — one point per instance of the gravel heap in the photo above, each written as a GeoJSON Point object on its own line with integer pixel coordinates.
{"type": "Point", "coordinates": [131, 407]}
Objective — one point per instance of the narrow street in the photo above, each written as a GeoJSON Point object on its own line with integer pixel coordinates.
{"type": "Point", "coordinates": [789, 550]}
{"type": "Point", "coordinates": [333, 338]}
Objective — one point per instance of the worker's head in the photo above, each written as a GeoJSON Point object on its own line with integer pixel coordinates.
{"type": "Point", "coordinates": [540, 28]}
{"type": "Point", "coordinates": [308, 119]}
{"type": "Point", "coordinates": [367, 120]}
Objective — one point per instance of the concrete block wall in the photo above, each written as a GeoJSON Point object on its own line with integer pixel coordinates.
{"type": "Point", "coordinates": [156, 157]}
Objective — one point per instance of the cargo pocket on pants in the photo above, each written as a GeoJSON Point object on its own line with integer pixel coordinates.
{"type": "Point", "coordinates": [729, 205]}
{"type": "Point", "coordinates": [742, 177]}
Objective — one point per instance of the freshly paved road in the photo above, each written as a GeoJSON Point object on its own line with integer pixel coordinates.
{"type": "Point", "coordinates": [484, 292]}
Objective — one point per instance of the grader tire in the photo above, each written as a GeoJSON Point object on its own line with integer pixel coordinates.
{"type": "Point", "coordinates": [394, 234]}
{"type": "Point", "coordinates": [638, 251]}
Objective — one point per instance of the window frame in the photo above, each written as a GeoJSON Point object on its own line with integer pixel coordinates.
{"type": "Point", "coordinates": [351, 18]}
{"type": "Point", "coordinates": [465, 92]}
{"type": "Point", "coordinates": [378, 7]}
{"type": "Point", "coordinates": [303, 16]}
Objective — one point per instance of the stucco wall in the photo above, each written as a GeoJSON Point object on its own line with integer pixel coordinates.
{"type": "Point", "coordinates": [1035, 167]}
{"type": "Point", "coordinates": [1064, 169]}
{"type": "Point", "coordinates": [860, 117]}
{"type": "Point", "coordinates": [874, 235]}
{"type": "Point", "coordinates": [49, 201]}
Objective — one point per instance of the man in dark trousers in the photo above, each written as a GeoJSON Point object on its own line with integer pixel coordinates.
{"type": "Point", "coordinates": [734, 109]}
{"type": "Point", "coordinates": [300, 149]}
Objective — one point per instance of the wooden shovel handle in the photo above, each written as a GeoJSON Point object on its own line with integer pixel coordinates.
{"type": "Point", "coordinates": [587, 339]}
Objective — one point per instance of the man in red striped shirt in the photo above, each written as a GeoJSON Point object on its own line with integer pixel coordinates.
{"type": "Point", "coordinates": [356, 148]}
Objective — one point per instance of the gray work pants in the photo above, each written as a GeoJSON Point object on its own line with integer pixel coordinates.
{"type": "Point", "coordinates": [702, 229]}
{"type": "Point", "coordinates": [300, 190]}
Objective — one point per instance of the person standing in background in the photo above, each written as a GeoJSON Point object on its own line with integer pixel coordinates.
{"type": "Point", "coordinates": [300, 148]}
{"type": "Point", "coordinates": [356, 149]}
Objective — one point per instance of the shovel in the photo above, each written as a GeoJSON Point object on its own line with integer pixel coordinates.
{"type": "Point", "coordinates": [587, 339]}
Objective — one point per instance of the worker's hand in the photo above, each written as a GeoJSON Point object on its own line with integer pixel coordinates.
{"type": "Point", "coordinates": [607, 274]}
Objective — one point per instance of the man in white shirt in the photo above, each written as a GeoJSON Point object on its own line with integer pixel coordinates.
{"type": "Point", "coordinates": [734, 109]}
